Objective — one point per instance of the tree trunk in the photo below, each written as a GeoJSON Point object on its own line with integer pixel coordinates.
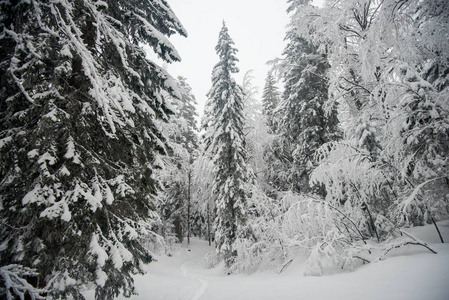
{"type": "Point", "coordinates": [438, 229]}
{"type": "Point", "coordinates": [373, 225]}
{"type": "Point", "coordinates": [188, 207]}
{"type": "Point", "coordinates": [178, 228]}
{"type": "Point", "coordinates": [208, 224]}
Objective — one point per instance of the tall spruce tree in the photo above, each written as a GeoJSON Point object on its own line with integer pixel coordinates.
{"type": "Point", "coordinates": [79, 142]}
{"type": "Point", "coordinates": [188, 114]}
{"type": "Point", "coordinates": [227, 146]}
{"type": "Point", "coordinates": [304, 124]}
{"type": "Point", "coordinates": [270, 100]}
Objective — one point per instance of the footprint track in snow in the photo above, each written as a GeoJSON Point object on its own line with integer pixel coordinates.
{"type": "Point", "coordinates": [187, 274]}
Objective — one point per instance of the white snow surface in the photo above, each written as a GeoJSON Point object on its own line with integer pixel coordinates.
{"type": "Point", "coordinates": [408, 273]}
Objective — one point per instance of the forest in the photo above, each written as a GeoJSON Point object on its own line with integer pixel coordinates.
{"type": "Point", "coordinates": [105, 162]}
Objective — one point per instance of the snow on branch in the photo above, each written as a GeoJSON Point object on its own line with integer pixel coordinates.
{"type": "Point", "coordinates": [406, 203]}
{"type": "Point", "coordinates": [380, 251]}
{"type": "Point", "coordinates": [15, 285]}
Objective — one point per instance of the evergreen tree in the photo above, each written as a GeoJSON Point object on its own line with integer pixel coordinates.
{"type": "Point", "coordinates": [227, 146]}
{"type": "Point", "coordinates": [304, 124]}
{"type": "Point", "coordinates": [189, 114]}
{"type": "Point", "coordinates": [79, 144]}
{"type": "Point", "coordinates": [270, 100]}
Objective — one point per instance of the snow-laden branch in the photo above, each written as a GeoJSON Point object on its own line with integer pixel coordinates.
{"type": "Point", "coordinates": [407, 202]}
{"type": "Point", "coordinates": [378, 252]}
{"type": "Point", "coordinates": [15, 285]}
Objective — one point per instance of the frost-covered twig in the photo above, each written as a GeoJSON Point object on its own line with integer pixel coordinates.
{"type": "Point", "coordinates": [362, 259]}
{"type": "Point", "coordinates": [344, 216]}
{"type": "Point", "coordinates": [284, 266]}
{"type": "Point", "coordinates": [418, 241]}
{"type": "Point", "coordinates": [398, 243]}
{"type": "Point", "coordinates": [417, 190]}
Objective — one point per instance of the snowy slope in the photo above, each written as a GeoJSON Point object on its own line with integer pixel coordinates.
{"type": "Point", "coordinates": [409, 273]}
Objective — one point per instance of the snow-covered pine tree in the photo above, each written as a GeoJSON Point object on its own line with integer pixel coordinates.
{"type": "Point", "coordinates": [206, 127]}
{"type": "Point", "coordinates": [189, 114]}
{"type": "Point", "coordinates": [227, 147]}
{"type": "Point", "coordinates": [270, 100]}
{"type": "Point", "coordinates": [79, 143]}
{"type": "Point", "coordinates": [304, 125]}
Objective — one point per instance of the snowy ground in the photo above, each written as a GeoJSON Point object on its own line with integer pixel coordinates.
{"type": "Point", "coordinates": [410, 273]}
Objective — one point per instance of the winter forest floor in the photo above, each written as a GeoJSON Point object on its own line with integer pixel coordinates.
{"type": "Point", "coordinates": [411, 272]}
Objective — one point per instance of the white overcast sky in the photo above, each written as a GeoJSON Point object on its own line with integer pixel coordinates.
{"type": "Point", "coordinates": [256, 26]}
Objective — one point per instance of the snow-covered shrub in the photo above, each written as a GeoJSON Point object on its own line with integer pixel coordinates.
{"type": "Point", "coordinates": [322, 255]}
{"type": "Point", "coordinates": [265, 245]}
{"type": "Point", "coordinates": [293, 226]}
{"type": "Point", "coordinates": [319, 229]}
{"type": "Point", "coordinates": [355, 182]}
{"type": "Point", "coordinates": [212, 259]}
{"type": "Point", "coordinates": [250, 255]}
